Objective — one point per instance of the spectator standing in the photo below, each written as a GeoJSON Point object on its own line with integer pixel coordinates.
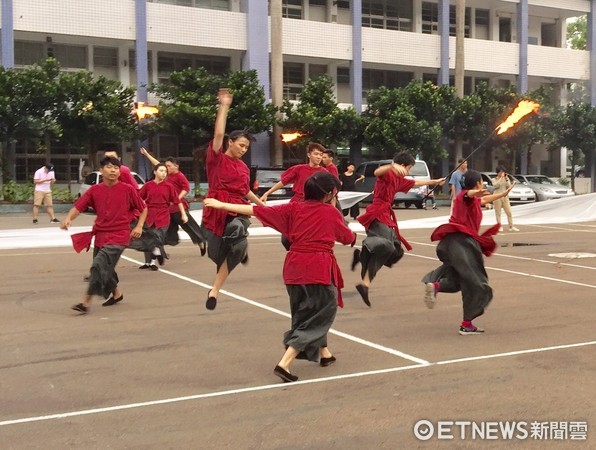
{"type": "Point", "coordinates": [42, 195]}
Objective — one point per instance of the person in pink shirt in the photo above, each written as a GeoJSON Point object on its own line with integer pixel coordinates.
{"type": "Point", "coordinates": [229, 181]}
{"type": "Point", "coordinates": [115, 203]}
{"type": "Point", "coordinates": [311, 273]}
{"type": "Point", "coordinates": [43, 179]}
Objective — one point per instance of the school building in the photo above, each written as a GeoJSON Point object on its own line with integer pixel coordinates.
{"type": "Point", "coordinates": [361, 44]}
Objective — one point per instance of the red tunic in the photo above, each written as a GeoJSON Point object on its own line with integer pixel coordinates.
{"type": "Point", "coordinates": [180, 183]}
{"type": "Point", "coordinates": [228, 182]}
{"type": "Point", "coordinates": [159, 197]}
{"type": "Point", "coordinates": [116, 207]}
{"type": "Point", "coordinates": [332, 169]}
{"type": "Point", "coordinates": [386, 186]}
{"type": "Point", "coordinates": [298, 175]}
{"type": "Point", "coordinates": [466, 218]}
{"type": "Point", "coordinates": [126, 177]}
{"type": "Point", "coordinates": [313, 228]}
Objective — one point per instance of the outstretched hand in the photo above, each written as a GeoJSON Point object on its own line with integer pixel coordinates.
{"type": "Point", "coordinates": [478, 192]}
{"type": "Point", "coordinates": [224, 97]}
{"type": "Point", "coordinates": [212, 203]}
{"type": "Point", "coordinates": [143, 151]}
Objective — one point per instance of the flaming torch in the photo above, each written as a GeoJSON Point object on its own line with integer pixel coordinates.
{"type": "Point", "coordinates": [522, 109]}
{"type": "Point", "coordinates": [291, 137]}
{"type": "Point", "coordinates": [143, 111]}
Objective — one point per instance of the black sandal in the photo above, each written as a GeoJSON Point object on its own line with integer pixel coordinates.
{"type": "Point", "coordinates": [211, 302]}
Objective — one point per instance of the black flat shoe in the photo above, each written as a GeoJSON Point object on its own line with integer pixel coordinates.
{"type": "Point", "coordinates": [284, 375]}
{"type": "Point", "coordinates": [144, 266]}
{"type": "Point", "coordinates": [327, 361]}
{"type": "Point", "coordinates": [244, 260]}
{"type": "Point", "coordinates": [203, 248]}
{"type": "Point", "coordinates": [153, 267]}
{"type": "Point", "coordinates": [363, 290]}
{"type": "Point", "coordinates": [80, 308]}
{"type": "Point", "coordinates": [211, 302]}
{"type": "Point", "coordinates": [355, 259]}
{"type": "Point", "coordinates": [112, 301]}
{"type": "Point", "coordinates": [160, 260]}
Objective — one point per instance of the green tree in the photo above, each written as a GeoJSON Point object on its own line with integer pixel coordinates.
{"type": "Point", "coordinates": [188, 107]}
{"type": "Point", "coordinates": [577, 31]}
{"type": "Point", "coordinates": [93, 111]}
{"type": "Point", "coordinates": [411, 119]}
{"type": "Point", "coordinates": [318, 116]}
{"type": "Point", "coordinates": [574, 127]}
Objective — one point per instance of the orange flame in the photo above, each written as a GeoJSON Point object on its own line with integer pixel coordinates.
{"type": "Point", "coordinates": [142, 111]}
{"type": "Point", "coordinates": [524, 108]}
{"type": "Point", "coordinates": [290, 137]}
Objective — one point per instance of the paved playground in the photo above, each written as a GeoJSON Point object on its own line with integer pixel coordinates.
{"type": "Point", "coordinates": [160, 371]}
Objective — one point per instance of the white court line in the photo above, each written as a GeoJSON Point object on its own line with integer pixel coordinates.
{"type": "Point", "coordinates": [284, 385]}
{"type": "Point", "coordinates": [382, 348]}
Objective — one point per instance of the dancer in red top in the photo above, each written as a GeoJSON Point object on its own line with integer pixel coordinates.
{"type": "Point", "coordinates": [159, 197]}
{"type": "Point", "coordinates": [460, 250]}
{"type": "Point", "coordinates": [181, 186]}
{"type": "Point", "coordinates": [328, 164]}
{"type": "Point", "coordinates": [229, 180]}
{"type": "Point", "coordinates": [115, 203]}
{"type": "Point", "coordinates": [383, 244]}
{"type": "Point", "coordinates": [310, 271]}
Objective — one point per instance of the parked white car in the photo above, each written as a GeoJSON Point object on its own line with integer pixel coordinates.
{"type": "Point", "coordinates": [544, 187]}
{"type": "Point", "coordinates": [96, 177]}
{"type": "Point", "coordinates": [520, 193]}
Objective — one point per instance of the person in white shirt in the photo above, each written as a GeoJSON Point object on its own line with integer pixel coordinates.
{"type": "Point", "coordinates": [42, 195]}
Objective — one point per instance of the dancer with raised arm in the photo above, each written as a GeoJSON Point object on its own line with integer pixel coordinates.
{"type": "Point", "coordinates": [229, 181]}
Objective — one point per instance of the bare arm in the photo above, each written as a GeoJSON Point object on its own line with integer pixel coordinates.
{"type": "Point", "coordinates": [147, 155]}
{"type": "Point", "coordinates": [246, 210]}
{"type": "Point", "coordinates": [252, 197]}
{"type": "Point", "coordinates": [492, 197]}
{"type": "Point", "coordinates": [439, 181]}
{"type": "Point", "coordinates": [273, 188]}
{"type": "Point", "coordinates": [183, 215]}
{"type": "Point", "coordinates": [138, 229]}
{"type": "Point", "coordinates": [225, 100]}
{"type": "Point", "coordinates": [72, 215]}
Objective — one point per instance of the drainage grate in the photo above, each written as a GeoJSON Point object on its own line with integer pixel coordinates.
{"type": "Point", "coordinates": [520, 244]}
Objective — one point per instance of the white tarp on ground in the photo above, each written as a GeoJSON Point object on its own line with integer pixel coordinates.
{"type": "Point", "coordinates": [581, 208]}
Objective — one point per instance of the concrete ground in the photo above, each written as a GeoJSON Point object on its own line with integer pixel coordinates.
{"type": "Point", "coordinates": [160, 371]}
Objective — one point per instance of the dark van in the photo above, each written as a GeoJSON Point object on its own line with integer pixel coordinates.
{"type": "Point", "coordinates": [419, 171]}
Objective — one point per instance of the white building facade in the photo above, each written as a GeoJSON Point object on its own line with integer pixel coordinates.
{"type": "Point", "coordinates": [361, 44]}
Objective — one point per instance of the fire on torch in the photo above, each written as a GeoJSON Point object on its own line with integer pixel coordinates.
{"type": "Point", "coordinates": [523, 108]}
{"type": "Point", "coordinates": [142, 110]}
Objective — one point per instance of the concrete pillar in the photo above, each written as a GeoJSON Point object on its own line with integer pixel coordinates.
{"type": "Point", "coordinates": [7, 34]}
{"type": "Point", "coordinates": [522, 39]}
{"type": "Point", "coordinates": [277, 76]}
{"type": "Point", "coordinates": [443, 79]}
{"type": "Point", "coordinates": [356, 63]}
{"type": "Point", "coordinates": [141, 49]}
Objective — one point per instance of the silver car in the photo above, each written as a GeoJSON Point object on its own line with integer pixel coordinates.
{"type": "Point", "coordinates": [544, 187]}
{"type": "Point", "coordinates": [519, 194]}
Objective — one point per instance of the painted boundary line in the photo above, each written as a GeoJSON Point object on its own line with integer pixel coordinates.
{"type": "Point", "coordinates": [349, 337]}
{"type": "Point", "coordinates": [284, 385]}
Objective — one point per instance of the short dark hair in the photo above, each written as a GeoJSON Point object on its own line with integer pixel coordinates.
{"type": "Point", "coordinates": [501, 169]}
{"type": "Point", "coordinates": [319, 185]}
{"type": "Point", "coordinates": [470, 179]}
{"type": "Point", "coordinates": [113, 150]}
{"type": "Point", "coordinates": [172, 160]}
{"type": "Point", "coordinates": [49, 166]}
{"type": "Point", "coordinates": [315, 146]}
{"type": "Point", "coordinates": [158, 165]}
{"type": "Point", "coordinates": [329, 153]}
{"type": "Point", "coordinates": [110, 160]}
{"type": "Point", "coordinates": [404, 158]}
{"type": "Point", "coordinates": [461, 160]}
{"type": "Point", "coordinates": [236, 134]}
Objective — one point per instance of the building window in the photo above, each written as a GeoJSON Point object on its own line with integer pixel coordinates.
{"type": "Point", "coordinates": [387, 14]}
{"type": "Point", "coordinates": [105, 57]}
{"type": "Point", "coordinates": [28, 53]}
{"type": "Point", "coordinates": [175, 62]}
{"type": "Point", "coordinates": [374, 79]}
{"type": "Point", "coordinates": [317, 2]}
{"type": "Point", "coordinates": [430, 19]}
{"type": "Point", "coordinates": [292, 9]}
{"type": "Point", "coordinates": [69, 56]}
{"type": "Point", "coordinates": [482, 24]}
{"type": "Point", "coordinates": [316, 70]}
{"type": "Point", "coordinates": [343, 75]}
{"type": "Point", "coordinates": [344, 4]}
{"type": "Point", "coordinates": [223, 5]}
{"type": "Point", "coordinates": [505, 29]}
{"type": "Point", "coordinates": [293, 80]}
